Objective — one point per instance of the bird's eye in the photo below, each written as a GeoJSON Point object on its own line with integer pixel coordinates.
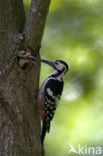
{"type": "Point", "coordinates": [56, 63]}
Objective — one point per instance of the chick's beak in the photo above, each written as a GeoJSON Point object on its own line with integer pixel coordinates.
{"type": "Point", "coordinates": [49, 63]}
{"type": "Point", "coordinates": [30, 58]}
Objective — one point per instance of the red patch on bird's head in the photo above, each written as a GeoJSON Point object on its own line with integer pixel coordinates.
{"type": "Point", "coordinates": [27, 49]}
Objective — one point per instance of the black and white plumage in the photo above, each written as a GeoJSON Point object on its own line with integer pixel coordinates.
{"type": "Point", "coordinates": [50, 93]}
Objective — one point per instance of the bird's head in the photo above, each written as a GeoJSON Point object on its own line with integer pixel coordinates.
{"type": "Point", "coordinates": [25, 53]}
{"type": "Point", "coordinates": [58, 65]}
{"type": "Point", "coordinates": [25, 56]}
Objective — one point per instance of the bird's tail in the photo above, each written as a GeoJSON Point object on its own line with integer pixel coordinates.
{"type": "Point", "coordinates": [45, 128]}
{"type": "Point", "coordinates": [43, 133]}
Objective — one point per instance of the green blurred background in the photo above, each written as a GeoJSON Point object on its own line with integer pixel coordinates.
{"type": "Point", "coordinates": [74, 33]}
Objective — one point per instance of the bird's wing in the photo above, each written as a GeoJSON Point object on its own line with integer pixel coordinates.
{"type": "Point", "coordinates": [53, 91]}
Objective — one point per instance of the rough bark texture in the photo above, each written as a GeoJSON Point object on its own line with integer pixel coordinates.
{"type": "Point", "coordinates": [19, 117]}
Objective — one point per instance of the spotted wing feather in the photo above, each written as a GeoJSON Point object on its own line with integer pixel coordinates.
{"type": "Point", "coordinates": [52, 93]}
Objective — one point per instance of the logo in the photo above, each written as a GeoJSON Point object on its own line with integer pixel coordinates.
{"type": "Point", "coordinates": [85, 150]}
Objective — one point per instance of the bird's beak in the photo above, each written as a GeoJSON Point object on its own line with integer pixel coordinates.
{"type": "Point", "coordinates": [49, 63]}
{"type": "Point", "coordinates": [30, 58]}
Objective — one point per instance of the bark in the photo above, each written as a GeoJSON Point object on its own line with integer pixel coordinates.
{"type": "Point", "coordinates": [19, 117]}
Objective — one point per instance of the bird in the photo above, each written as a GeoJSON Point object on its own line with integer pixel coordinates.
{"type": "Point", "coordinates": [25, 57]}
{"type": "Point", "coordinates": [50, 93]}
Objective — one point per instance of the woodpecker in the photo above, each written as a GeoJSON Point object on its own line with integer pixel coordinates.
{"type": "Point", "coordinates": [50, 93]}
{"type": "Point", "coordinates": [25, 58]}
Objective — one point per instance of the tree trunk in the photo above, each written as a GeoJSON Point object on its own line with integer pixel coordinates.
{"type": "Point", "coordinates": [19, 117]}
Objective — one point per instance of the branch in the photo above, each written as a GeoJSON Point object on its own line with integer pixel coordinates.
{"type": "Point", "coordinates": [35, 23]}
